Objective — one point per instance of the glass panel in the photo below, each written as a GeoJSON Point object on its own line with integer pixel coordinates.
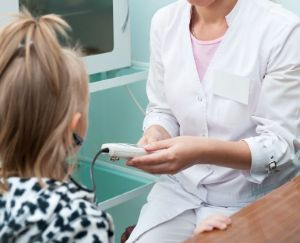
{"type": "Point", "coordinates": [91, 21]}
{"type": "Point", "coordinates": [116, 73]}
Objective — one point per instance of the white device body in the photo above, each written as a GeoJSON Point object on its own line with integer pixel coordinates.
{"type": "Point", "coordinates": [123, 150]}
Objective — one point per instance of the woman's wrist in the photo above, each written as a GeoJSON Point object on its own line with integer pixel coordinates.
{"type": "Point", "coordinates": [233, 154]}
{"type": "Point", "coordinates": [154, 133]}
{"type": "Point", "coordinates": [160, 131]}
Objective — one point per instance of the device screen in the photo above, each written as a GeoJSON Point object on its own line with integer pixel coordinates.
{"type": "Point", "coordinates": [91, 21]}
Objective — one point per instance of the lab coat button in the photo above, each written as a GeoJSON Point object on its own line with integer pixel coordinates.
{"type": "Point", "coordinates": [272, 166]}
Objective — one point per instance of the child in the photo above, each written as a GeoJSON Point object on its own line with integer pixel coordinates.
{"type": "Point", "coordinates": [43, 109]}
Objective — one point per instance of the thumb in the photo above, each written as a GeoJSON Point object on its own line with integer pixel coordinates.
{"type": "Point", "coordinates": [146, 140]}
{"type": "Point", "coordinates": [142, 141]}
{"type": "Point", "coordinates": [163, 144]}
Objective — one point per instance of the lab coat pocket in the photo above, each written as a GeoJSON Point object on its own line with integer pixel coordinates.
{"type": "Point", "coordinates": [230, 96]}
{"type": "Point", "coordinates": [231, 86]}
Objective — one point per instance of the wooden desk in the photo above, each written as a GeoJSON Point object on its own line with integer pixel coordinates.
{"type": "Point", "coordinates": [274, 218]}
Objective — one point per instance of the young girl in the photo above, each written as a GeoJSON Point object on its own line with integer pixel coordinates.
{"type": "Point", "coordinates": [43, 109]}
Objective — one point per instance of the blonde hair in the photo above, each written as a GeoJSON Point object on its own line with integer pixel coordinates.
{"type": "Point", "coordinates": [42, 86]}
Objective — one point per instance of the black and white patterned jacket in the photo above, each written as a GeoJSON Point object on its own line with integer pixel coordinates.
{"type": "Point", "coordinates": [58, 212]}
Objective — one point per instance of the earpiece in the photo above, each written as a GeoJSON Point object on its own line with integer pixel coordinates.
{"type": "Point", "coordinates": [77, 139]}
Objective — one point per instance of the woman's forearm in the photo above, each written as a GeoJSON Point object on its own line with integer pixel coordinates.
{"type": "Point", "coordinates": [236, 155]}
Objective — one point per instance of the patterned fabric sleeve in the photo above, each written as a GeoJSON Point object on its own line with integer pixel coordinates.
{"type": "Point", "coordinates": [57, 212]}
{"type": "Point", "coordinates": [80, 221]}
{"type": "Point", "coordinates": [77, 219]}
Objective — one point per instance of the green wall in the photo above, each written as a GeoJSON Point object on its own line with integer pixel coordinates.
{"type": "Point", "coordinates": [293, 5]}
{"type": "Point", "coordinates": [141, 14]}
{"type": "Point", "coordinates": [114, 117]}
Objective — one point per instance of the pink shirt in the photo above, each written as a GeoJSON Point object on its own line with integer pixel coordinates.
{"type": "Point", "coordinates": [203, 53]}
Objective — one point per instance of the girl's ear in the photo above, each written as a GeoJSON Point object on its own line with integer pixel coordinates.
{"type": "Point", "coordinates": [75, 121]}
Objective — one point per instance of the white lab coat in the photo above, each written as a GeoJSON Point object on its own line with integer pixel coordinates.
{"type": "Point", "coordinates": [251, 91]}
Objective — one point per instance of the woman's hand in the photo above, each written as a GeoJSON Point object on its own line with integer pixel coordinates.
{"type": "Point", "coordinates": [169, 156]}
{"type": "Point", "coordinates": [153, 134]}
{"type": "Point", "coordinates": [173, 155]}
{"type": "Point", "coordinates": [213, 222]}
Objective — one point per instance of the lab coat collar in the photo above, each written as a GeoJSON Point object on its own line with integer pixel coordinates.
{"type": "Point", "coordinates": [229, 18]}
{"type": "Point", "coordinates": [234, 12]}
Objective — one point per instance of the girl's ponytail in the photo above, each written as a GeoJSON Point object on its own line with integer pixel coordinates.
{"type": "Point", "coordinates": [26, 35]}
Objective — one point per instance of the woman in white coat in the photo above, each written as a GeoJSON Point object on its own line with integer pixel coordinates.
{"type": "Point", "coordinates": [223, 117]}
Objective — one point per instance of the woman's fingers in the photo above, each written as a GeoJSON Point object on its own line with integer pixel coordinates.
{"type": "Point", "coordinates": [221, 218]}
{"type": "Point", "coordinates": [210, 226]}
{"type": "Point", "coordinates": [158, 145]}
{"type": "Point", "coordinates": [160, 162]}
{"type": "Point", "coordinates": [142, 141]}
{"type": "Point", "coordinates": [169, 153]}
{"type": "Point", "coordinates": [153, 134]}
{"type": "Point", "coordinates": [155, 169]}
{"type": "Point", "coordinates": [145, 140]}
{"type": "Point", "coordinates": [214, 222]}
{"type": "Point", "coordinates": [152, 159]}
{"type": "Point", "coordinates": [203, 228]}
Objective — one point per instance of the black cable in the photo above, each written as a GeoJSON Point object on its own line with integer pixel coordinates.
{"type": "Point", "coordinates": [105, 150]}
{"type": "Point", "coordinates": [80, 186]}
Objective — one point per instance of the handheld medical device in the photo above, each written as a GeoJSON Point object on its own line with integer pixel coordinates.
{"type": "Point", "coordinates": [118, 151]}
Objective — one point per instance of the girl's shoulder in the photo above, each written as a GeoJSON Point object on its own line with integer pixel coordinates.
{"type": "Point", "coordinates": [55, 211]}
